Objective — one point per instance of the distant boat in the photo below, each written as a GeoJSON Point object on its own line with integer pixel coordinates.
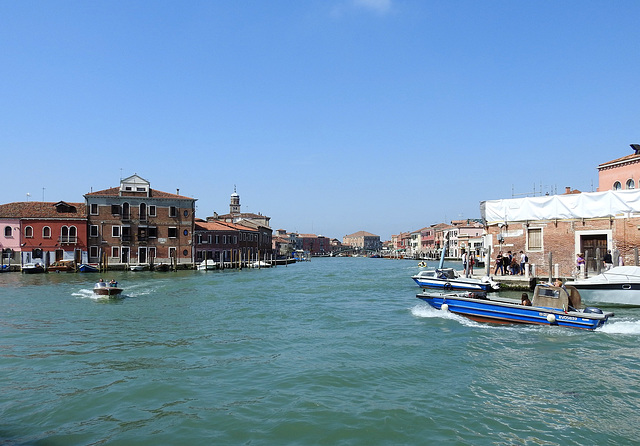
{"type": "Point", "coordinates": [260, 264]}
{"type": "Point", "coordinates": [33, 268]}
{"type": "Point", "coordinates": [207, 265]}
{"type": "Point", "coordinates": [139, 267]}
{"type": "Point", "coordinates": [87, 268]}
{"type": "Point", "coordinates": [107, 289]}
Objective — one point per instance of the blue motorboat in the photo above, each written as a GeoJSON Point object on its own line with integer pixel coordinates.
{"type": "Point", "coordinates": [87, 268]}
{"type": "Point", "coordinates": [551, 305]}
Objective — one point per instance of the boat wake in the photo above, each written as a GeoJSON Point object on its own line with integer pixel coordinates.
{"type": "Point", "coordinates": [630, 327]}
{"type": "Point", "coordinates": [86, 294]}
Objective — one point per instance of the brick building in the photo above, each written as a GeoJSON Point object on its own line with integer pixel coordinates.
{"type": "Point", "coordinates": [134, 223]}
{"type": "Point", "coordinates": [225, 242]}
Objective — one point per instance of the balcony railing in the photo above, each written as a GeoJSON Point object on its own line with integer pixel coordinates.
{"type": "Point", "coordinates": [67, 239]}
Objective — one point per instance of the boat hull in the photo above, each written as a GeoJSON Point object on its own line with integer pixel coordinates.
{"type": "Point", "coordinates": [107, 291]}
{"type": "Point", "coordinates": [503, 312]}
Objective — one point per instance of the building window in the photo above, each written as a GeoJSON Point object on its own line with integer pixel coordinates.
{"type": "Point", "coordinates": [73, 234]}
{"type": "Point", "coordinates": [7, 231]}
{"type": "Point", "coordinates": [631, 184]}
{"type": "Point", "coordinates": [115, 209]}
{"type": "Point", "coordinates": [115, 251]}
{"type": "Point", "coordinates": [185, 232]}
{"type": "Point", "coordinates": [199, 239]}
{"type": "Point", "coordinates": [94, 209]}
{"type": "Point", "coordinates": [217, 239]}
{"type": "Point", "coordinates": [617, 185]}
{"type": "Point", "coordinates": [126, 211]}
{"type": "Point", "coordinates": [28, 232]}
{"type": "Point", "coordinates": [153, 232]}
{"type": "Point", "coordinates": [173, 212]}
{"type": "Point", "coordinates": [46, 232]}
{"type": "Point", "coordinates": [224, 239]}
{"type": "Point", "coordinates": [93, 231]}
{"type": "Point", "coordinates": [115, 232]}
{"type": "Point", "coordinates": [534, 239]}
{"type": "Point", "coordinates": [152, 210]}
{"type": "Point", "coordinates": [186, 213]}
{"type": "Point", "coordinates": [93, 251]}
{"type": "Point", "coordinates": [143, 211]}
{"type": "Point", "coordinates": [152, 253]}
{"type": "Point", "coordinates": [173, 232]}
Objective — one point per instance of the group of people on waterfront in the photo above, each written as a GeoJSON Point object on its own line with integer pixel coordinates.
{"type": "Point", "coordinates": [511, 264]}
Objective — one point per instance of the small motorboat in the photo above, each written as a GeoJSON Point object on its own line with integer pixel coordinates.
{"type": "Point", "coordinates": [87, 268]}
{"type": "Point", "coordinates": [138, 267]}
{"type": "Point", "coordinates": [107, 289]}
{"type": "Point", "coordinates": [207, 265]}
{"type": "Point", "coordinates": [551, 305]}
{"type": "Point", "coordinates": [619, 286]}
{"type": "Point", "coordinates": [33, 268]}
{"type": "Point", "coordinates": [448, 279]}
{"type": "Point", "coordinates": [61, 266]}
{"type": "Point", "coordinates": [260, 264]}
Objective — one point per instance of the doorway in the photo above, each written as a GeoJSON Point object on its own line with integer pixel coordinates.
{"type": "Point", "coordinates": [589, 245]}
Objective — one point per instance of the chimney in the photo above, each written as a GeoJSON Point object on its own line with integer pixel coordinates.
{"type": "Point", "coordinates": [178, 191]}
{"type": "Point", "coordinates": [567, 190]}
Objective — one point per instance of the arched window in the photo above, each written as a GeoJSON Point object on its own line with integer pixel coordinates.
{"type": "Point", "coordinates": [126, 213]}
{"type": "Point", "coordinates": [46, 232]}
{"type": "Point", "coordinates": [73, 233]}
{"type": "Point", "coordinates": [7, 231]}
{"type": "Point", "coordinates": [143, 211]}
{"type": "Point", "coordinates": [617, 185]}
{"type": "Point", "coordinates": [631, 184]}
{"type": "Point", "coordinates": [28, 232]}
{"type": "Point", "coordinates": [64, 234]}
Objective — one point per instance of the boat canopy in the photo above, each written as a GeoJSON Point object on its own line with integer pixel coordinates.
{"type": "Point", "coordinates": [556, 297]}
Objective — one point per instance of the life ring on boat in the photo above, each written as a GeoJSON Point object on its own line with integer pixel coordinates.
{"type": "Point", "coordinates": [447, 286]}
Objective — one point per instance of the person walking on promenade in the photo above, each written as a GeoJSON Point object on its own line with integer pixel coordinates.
{"type": "Point", "coordinates": [499, 264]}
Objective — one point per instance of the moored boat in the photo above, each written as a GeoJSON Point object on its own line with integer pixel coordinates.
{"type": "Point", "coordinates": [87, 268]}
{"type": "Point", "coordinates": [207, 265]}
{"type": "Point", "coordinates": [138, 267]}
{"type": "Point", "coordinates": [61, 266]}
{"type": "Point", "coordinates": [107, 289]}
{"type": "Point", "coordinates": [551, 305]}
{"type": "Point", "coordinates": [448, 279]}
{"type": "Point", "coordinates": [33, 268]}
{"type": "Point", "coordinates": [618, 286]}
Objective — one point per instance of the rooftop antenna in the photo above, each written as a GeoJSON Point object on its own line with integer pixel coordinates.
{"type": "Point", "coordinates": [43, 194]}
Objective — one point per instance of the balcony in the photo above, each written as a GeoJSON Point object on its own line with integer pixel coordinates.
{"type": "Point", "coordinates": [68, 239]}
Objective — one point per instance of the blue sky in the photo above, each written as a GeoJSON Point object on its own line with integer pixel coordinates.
{"type": "Point", "coordinates": [330, 116]}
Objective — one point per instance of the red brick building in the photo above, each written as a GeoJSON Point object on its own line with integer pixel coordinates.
{"type": "Point", "coordinates": [134, 223]}
{"type": "Point", "coordinates": [225, 242]}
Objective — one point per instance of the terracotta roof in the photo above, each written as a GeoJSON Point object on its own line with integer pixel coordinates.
{"type": "Point", "coordinates": [42, 209]}
{"type": "Point", "coordinates": [153, 193]}
{"type": "Point", "coordinates": [221, 226]}
{"type": "Point", "coordinates": [632, 157]}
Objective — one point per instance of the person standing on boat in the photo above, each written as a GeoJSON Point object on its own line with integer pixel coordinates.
{"type": "Point", "coordinates": [499, 264]}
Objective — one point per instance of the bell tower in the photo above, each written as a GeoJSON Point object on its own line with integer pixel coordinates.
{"type": "Point", "coordinates": [234, 206]}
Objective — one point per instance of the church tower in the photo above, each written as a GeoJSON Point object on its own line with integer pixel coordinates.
{"type": "Point", "coordinates": [234, 206]}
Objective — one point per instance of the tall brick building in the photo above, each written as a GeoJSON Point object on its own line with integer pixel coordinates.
{"type": "Point", "coordinates": [134, 223]}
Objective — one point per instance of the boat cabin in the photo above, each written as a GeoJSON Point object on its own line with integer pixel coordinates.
{"type": "Point", "coordinates": [562, 298]}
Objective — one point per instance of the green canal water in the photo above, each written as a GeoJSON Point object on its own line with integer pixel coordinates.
{"type": "Point", "coordinates": [335, 351]}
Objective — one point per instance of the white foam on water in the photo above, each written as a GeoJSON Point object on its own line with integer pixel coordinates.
{"type": "Point", "coordinates": [629, 327]}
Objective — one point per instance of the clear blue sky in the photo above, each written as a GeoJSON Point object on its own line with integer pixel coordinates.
{"type": "Point", "coordinates": [330, 116]}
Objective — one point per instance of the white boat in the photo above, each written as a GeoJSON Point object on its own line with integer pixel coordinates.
{"type": "Point", "coordinates": [139, 267]}
{"type": "Point", "coordinates": [260, 264]}
{"type": "Point", "coordinates": [207, 265]}
{"type": "Point", "coordinates": [619, 286]}
{"type": "Point", "coordinates": [448, 279]}
{"type": "Point", "coordinates": [33, 268]}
